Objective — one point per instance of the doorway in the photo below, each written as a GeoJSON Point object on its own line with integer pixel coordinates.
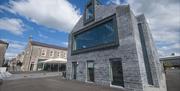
{"type": "Point", "coordinates": [90, 71]}
{"type": "Point", "coordinates": [31, 67]}
{"type": "Point", "coordinates": [74, 70]}
{"type": "Point", "coordinates": [117, 72]}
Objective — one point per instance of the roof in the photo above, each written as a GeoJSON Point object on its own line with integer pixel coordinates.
{"type": "Point", "coordinates": [36, 43]}
{"type": "Point", "coordinates": [3, 42]}
{"type": "Point", "coordinates": [170, 58]}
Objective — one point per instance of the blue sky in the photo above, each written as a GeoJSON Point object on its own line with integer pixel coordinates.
{"type": "Point", "coordinates": [50, 21]}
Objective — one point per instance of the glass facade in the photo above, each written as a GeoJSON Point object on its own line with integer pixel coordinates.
{"type": "Point", "coordinates": [89, 12]}
{"type": "Point", "coordinates": [102, 34]}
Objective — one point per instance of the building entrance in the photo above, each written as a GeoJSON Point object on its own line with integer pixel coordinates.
{"type": "Point", "coordinates": [117, 72]}
{"type": "Point", "coordinates": [90, 71]}
{"type": "Point", "coordinates": [74, 69]}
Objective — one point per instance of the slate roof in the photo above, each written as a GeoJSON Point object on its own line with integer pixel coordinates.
{"type": "Point", "coordinates": [36, 43]}
{"type": "Point", "coordinates": [3, 42]}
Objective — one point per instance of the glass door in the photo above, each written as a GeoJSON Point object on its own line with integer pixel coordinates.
{"type": "Point", "coordinates": [90, 71]}
{"type": "Point", "coordinates": [117, 72]}
{"type": "Point", "coordinates": [74, 69]}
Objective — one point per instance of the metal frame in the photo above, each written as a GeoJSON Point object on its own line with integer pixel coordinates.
{"type": "Point", "coordinates": [98, 47]}
{"type": "Point", "coordinates": [86, 21]}
{"type": "Point", "coordinates": [87, 70]}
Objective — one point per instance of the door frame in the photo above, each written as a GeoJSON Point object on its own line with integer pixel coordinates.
{"type": "Point", "coordinates": [87, 80]}
{"type": "Point", "coordinates": [74, 72]}
{"type": "Point", "coordinates": [111, 72]}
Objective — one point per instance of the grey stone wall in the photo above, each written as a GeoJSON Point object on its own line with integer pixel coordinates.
{"type": "Point", "coordinates": [129, 50]}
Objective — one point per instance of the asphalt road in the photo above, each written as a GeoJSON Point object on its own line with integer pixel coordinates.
{"type": "Point", "coordinates": [45, 82]}
{"type": "Point", "coordinates": [51, 84]}
{"type": "Point", "coordinates": [173, 80]}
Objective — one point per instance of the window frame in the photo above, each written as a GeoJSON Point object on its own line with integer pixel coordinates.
{"type": "Point", "coordinates": [87, 71]}
{"type": "Point", "coordinates": [59, 54]}
{"type": "Point", "coordinates": [52, 53]}
{"type": "Point", "coordinates": [98, 47]}
{"type": "Point", "coordinates": [86, 21]}
{"type": "Point", "coordinates": [149, 74]}
{"type": "Point", "coordinates": [45, 50]}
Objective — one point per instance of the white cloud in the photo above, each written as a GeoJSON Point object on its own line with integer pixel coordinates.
{"type": "Point", "coordinates": [114, 2]}
{"type": "Point", "coordinates": [65, 44]}
{"type": "Point", "coordinates": [15, 47]}
{"type": "Point", "coordinates": [164, 20]}
{"type": "Point", "coordinates": [12, 25]}
{"type": "Point", "coordinates": [57, 14]}
{"type": "Point", "coordinates": [42, 35]}
{"type": "Point", "coordinates": [168, 50]}
{"type": "Point", "coordinates": [6, 8]}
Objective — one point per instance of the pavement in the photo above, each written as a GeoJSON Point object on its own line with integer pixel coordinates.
{"type": "Point", "coordinates": [30, 75]}
{"type": "Point", "coordinates": [51, 84]}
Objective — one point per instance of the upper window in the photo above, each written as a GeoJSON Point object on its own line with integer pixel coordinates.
{"type": "Point", "coordinates": [59, 54]}
{"type": "Point", "coordinates": [43, 52]}
{"type": "Point", "coordinates": [51, 53]}
{"type": "Point", "coordinates": [89, 12]}
{"type": "Point", "coordinates": [97, 36]}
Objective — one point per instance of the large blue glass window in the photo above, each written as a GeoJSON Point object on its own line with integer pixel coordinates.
{"type": "Point", "coordinates": [99, 35]}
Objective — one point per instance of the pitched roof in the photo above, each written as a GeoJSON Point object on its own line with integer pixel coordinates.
{"type": "Point", "coordinates": [47, 45]}
{"type": "Point", "coordinates": [3, 42]}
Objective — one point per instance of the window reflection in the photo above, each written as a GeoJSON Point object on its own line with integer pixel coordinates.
{"type": "Point", "coordinates": [99, 35]}
{"type": "Point", "coordinates": [89, 12]}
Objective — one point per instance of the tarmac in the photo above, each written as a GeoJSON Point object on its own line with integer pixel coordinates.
{"type": "Point", "coordinates": [173, 79]}
{"type": "Point", "coordinates": [51, 84]}
{"type": "Point", "coordinates": [51, 81]}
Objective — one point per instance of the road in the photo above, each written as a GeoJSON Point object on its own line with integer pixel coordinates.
{"type": "Point", "coordinates": [173, 80]}
{"type": "Point", "coordinates": [51, 84]}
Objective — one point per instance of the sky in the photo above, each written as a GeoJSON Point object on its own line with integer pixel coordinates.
{"type": "Point", "coordinates": [50, 21]}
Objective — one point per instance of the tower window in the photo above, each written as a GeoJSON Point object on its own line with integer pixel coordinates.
{"type": "Point", "coordinates": [145, 55]}
{"type": "Point", "coordinates": [89, 12]}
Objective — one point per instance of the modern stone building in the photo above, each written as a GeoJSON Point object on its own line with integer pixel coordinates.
{"type": "Point", "coordinates": [37, 52]}
{"type": "Point", "coordinates": [111, 46]}
{"type": "Point", "coordinates": [3, 47]}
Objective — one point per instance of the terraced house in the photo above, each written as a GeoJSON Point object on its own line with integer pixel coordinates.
{"type": "Point", "coordinates": [3, 47]}
{"type": "Point", "coordinates": [111, 46]}
{"type": "Point", "coordinates": [37, 52]}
